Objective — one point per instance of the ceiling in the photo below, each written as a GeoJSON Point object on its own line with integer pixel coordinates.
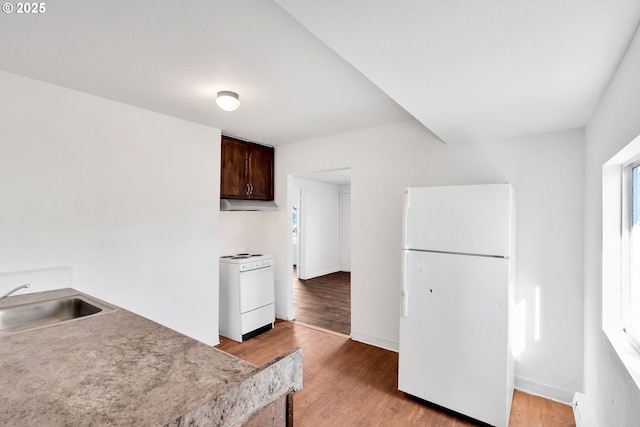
{"type": "Point", "coordinates": [313, 68]}
{"type": "Point", "coordinates": [332, 176]}
{"type": "Point", "coordinates": [481, 69]}
{"type": "Point", "coordinates": [173, 57]}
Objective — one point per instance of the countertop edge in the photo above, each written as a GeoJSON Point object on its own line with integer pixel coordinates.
{"type": "Point", "coordinates": [275, 379]}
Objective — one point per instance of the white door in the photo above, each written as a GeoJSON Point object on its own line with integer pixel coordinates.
{"type": "Point", "coordinates": [453, 334]}
{"type": "Point", "coordinates": [345, 230]}
{"type": "Point", "coordinates": [295, 227]}
{"type": "Point", "coordinates": [302, 237]}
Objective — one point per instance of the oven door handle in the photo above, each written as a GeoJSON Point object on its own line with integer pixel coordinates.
{"type": "Point", "coordinates": [259, 269]}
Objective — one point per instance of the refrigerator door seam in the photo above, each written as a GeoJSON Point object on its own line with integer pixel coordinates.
{"type": "Point", "coordinates": [460, 253]}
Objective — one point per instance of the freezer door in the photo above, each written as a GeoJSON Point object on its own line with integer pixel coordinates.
{"type": "Point", "coordinates": [454, 338]}
{"type": "Point", "coordinates": [475, 219]}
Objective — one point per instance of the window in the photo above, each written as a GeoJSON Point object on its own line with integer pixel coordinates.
{"type": "Point", "coordinates": [294, 220]}
{"type": "Point", "coordinates": [621, 255]}
{"type": "Point", "coordinates": [630, 282]}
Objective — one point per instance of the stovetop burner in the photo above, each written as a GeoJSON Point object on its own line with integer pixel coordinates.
{"type": "Point", "coordinates": [248, 261]}
{"type": "Point", "coordinates": [241, 256]}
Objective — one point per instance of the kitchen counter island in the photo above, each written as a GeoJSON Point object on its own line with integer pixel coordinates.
{"type": "Point", "coordinates": [118, 368]}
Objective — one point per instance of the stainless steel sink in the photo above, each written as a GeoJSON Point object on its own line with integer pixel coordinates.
{"type": "Point", "coordinates": [46, 313]}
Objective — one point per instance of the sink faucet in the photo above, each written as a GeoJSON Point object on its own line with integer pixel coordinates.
{"type": "Point", "coordinates": [14, 290]}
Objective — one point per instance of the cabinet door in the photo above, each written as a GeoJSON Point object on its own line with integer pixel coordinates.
{"type": "Point", "coordinates": [261, 172]}
{"type": "Point", "coordinates": [233, 175]}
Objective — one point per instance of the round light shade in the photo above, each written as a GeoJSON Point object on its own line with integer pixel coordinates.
{"type": "Point", "coordinates": [227, 100]}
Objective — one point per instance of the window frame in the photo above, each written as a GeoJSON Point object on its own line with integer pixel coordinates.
{"type": "Point", "coordinates": [613, 262]}
{"type": "Point", "coordinates": [628, 215]}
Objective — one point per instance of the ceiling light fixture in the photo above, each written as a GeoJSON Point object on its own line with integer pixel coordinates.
{"type": "Point", "coordinates": [227, 100]}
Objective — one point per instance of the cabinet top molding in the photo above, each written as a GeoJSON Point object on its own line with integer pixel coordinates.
{"type": "Point", "coordinates": [246, 141]}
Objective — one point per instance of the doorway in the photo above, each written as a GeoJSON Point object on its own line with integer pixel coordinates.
{"type": "Point", "coordinates": [321, 247]}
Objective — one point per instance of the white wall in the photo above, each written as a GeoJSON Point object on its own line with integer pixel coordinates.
{"type": "Point", "coordinates": [319, 224]}
{"type": "Point", "coordinates": [611, 390]}
{"type": "Point", "coordinates": [241, 231]}
{"type": "Point", "coordinates": [126, 197]}
{"type": "Point", "coordinates": [546, 172]}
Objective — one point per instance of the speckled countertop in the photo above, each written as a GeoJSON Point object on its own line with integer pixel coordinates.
{"type": "Point", "coordinates": [117, 368]}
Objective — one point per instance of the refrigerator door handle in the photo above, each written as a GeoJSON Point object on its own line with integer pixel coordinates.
{"type": "Point", "coordinates": [405, 219]}
{"type": "Point", "coordinates": [405, 293]}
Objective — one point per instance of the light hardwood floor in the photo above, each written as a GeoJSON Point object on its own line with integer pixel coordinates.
{"type": "Point", "coordinates": [324, 301]}
{"type": "Point", "coordinates": [347, 383]}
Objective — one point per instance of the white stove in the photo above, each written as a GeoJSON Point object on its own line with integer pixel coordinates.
{"type": "Point", "coordinates": [248, 262]}
{"type": "Point", "coordinates": [247, 295]}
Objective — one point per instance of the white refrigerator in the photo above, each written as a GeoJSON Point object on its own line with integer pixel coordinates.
{"type": "Point", "coordinates": [457, 280]}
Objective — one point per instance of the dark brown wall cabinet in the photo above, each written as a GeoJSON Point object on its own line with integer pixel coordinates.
{"type": "Point", "coordinates": [246, 170]}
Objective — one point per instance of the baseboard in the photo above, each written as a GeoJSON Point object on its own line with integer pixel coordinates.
{"type": "Point", "coordinates": [583, 412]}
{"type": "Point", "coordinates": [544, 390]}
{"type": "Point", "coordinates": [375, 341]}
{"type": "Point", "coordinates": [285, 317]}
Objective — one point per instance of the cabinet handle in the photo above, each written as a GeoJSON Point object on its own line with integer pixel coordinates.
{"type": "Point", "coordinates": [251, 188]}
{"type": "Point", "coordinates": [248, 189]}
